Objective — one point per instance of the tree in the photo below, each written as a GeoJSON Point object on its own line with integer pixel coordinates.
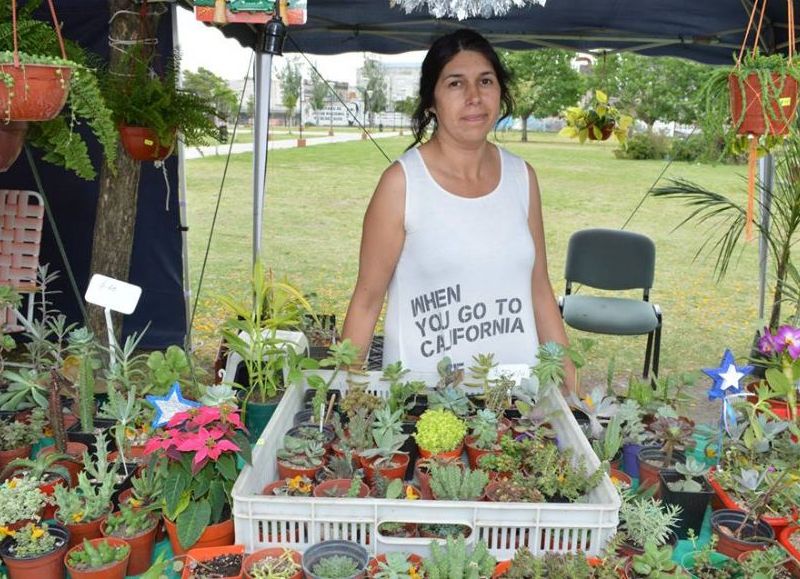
{"type": "Point", "coordinates": [214, 89]}
{"type": "Point", "coordinates": [250, 107]}
{"type": "Point", "coordinates": [290, 78]}
{"type": "Point", "coordinates": [543, 83]}
{"type": "Point", "coordinates": [319, 93]}
{"type": "Point", "coordinates": [653, 88]}
{"type": "Point", "coordinates": [375, 99]}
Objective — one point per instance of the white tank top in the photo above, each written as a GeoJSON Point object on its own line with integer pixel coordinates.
{"type": "Point", "coordinates": [462, 285]}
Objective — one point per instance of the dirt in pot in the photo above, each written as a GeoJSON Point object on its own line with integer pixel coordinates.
{"type": "Point", "coordinates": [229, 565]}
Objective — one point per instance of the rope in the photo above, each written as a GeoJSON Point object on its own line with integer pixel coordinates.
{"type": "Point", "coordinates": [55, 25]}
{"type": "Point", "coordinates": [162, 164]}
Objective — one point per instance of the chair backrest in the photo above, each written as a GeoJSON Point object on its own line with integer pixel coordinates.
{"type": "Point", "coordinates": [611, 259]}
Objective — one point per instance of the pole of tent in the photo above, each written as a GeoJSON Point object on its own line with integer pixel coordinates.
{"type": "Point", "coordinates": [766, 170]}
{"type": "Point", "coordinates": [263, 78]}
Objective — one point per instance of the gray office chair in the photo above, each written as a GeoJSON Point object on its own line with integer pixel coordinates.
{"type": "Point", "coordinates": [616, 260]}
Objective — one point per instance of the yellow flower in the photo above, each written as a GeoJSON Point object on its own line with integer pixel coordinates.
{"type": "Point", "coordinates": [12, 484]}
{"type": "Point", "coordinates": [37, 532]}
{"type": "Point", "coordinates": [77, 517]}
{"type": "Point", "coordinates": [6, 532]}
{"type": "Point", "coordinates": [413, 573]}
{"type": "Point", "coordinates": [300, 484]}
{"type": "Point", "coordinates": [134, 502]}
{"type": "Point", "coordinates": [411, 494]}
{"type": "Point", "coordinates": [711, 451]}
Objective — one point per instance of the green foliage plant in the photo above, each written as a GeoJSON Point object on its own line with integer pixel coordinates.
{"type": "Point", "coordinates": [671, 433]}
{"type": "Point", "coordinates": [396, 566]}
{"type": "Point", "coordinates": [450, 483]}
{"type": "Point", "coordinates": [343, 355]}
{"type": "Point", "coordinates": [767, 564]}
{"type": "Point", "coordinates": [129, 522]}
{"type": "Point", "coordinates": [388, 437]}
{"type": "Point", "coordinates": [439, 431]}
{"type": "Point", "coordinates": [358, 435]}
{"type": "Point", "coordinates": [167, 368]}
{"type": "Point", "coordinates": [655, 563]}
{"type": "Point", "coordinates": [402, 395]}
{"type": "Point", "coordinates": [336, 567]}
{"type": "Point", "coordinates": [84, 349]}
{"type": "Point", "coordinates": [96, 556]}
{"type": "Point", "coordinates": [452, 561]}
{"type": "Point", "coordinates": [703, 564]}
{"type": "Point", "coordinates": [147, 484]}
{"type": "Point", "coordinates": [86, 502]}
{"type": "Point", "coordinates": [357, 398]}
{"type": "Point", "coordinates": [33, 540]}
{"type": "Point", "coordinates": [608, 446]}
{"type": "Point", "coordinates": [517, 489]}
{"type": "Point", "coordinates": [300, 453]}
{"type": "Point", "coordinates": [484, 429]}
{"type": "Point", "coordinates": [691, 470]}
{"type": "Point", "coordinates": [38, 468]}
{"type": "Point", "coordinates": [20, 499]}
{"type": "Point", "coordinates": [450, 398]}
{"type": "Point", "coordinates": [597, 118]}
{"type": "Point", "coordinates": [644, 519]}
{"type": "Point", "coordinates": [560, 566]}
{"type": "Point", "coordinates": [9, 298]}
{"type": "Point", "coordinates": [17, 433]}
{"type": "Point", "coordinates": [282, 567]}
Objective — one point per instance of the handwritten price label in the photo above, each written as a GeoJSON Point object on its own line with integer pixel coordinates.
{"type": "Point", "coordinates": [113, 294]}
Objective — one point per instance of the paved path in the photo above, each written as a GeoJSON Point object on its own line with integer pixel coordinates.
{"type": "Point", "coordinates": [214, 150]}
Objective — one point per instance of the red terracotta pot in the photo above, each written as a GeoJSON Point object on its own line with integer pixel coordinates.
{"type": "Point", "coordinates": [49, 488]}
{"type": "Point", "coordinates": [80, 531]}
{"type": "Point", "coordinates": [785, 541]}
{"type": "Point", "coordinates": [141, 545]}
{"type": "Point", "coordinates": [339, 487]}
{"type": "Point", "coordinates": [778, 524]}
{"type": "Point", "coordinates": [621, 477]}
{"type": "Point", "coordinates": [501, 569]}
{"type": "Point", "coordinates": [731, 546]}
{"type": "Point", "coordinates": [217, 535]}
{"type": "Point", "coordinates": [75, 450]}
{"type": "Point", "coordinates": [6, 456]}
{"type": "Point", "coordinates": [135, 454]}
{"type": "Point", "coordinates": [605, 133]}
{"type": "Point", "coordinates": [49, 566]}
{"type": "Point", "coordinates": [396, 470]}
{"type": "Point", "coordinates": [271, 552]}
{"type": "Point", "coordinates": [115, 570]}
{"type": "Point", "coordinates": [746, 105]}
{"type": "Point", "coordinates": [40, 91]}
{"type": "Point", "coordinates": [267, 490]}
{"type": "Point", "coordinates": [455, 453]}
{"type": "Point", "coordinates": [374, 564]}
{"type": "Point", "coordinates": [286, 471]}
{"type": "Point", "coordinates": [142, 144]}
{"type": "Point", "coordinates": [474, 453]}
{"type": "Point", "coordinates": [207, 554]}
{"type": "Point", "coordinates": [12, 139]}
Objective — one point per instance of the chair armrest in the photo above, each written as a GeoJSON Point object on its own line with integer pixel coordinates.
{"type": "Point", "coordinates": [561, 305]}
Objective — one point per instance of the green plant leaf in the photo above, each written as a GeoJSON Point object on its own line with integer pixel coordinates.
{"type": "Point", "coordinates": [174, 487]}
{"type": "Point", "coordinates": [192, 522]}
{"type": "Point", "coordinates": [218, 498]}
{"type": "Point", "coordinates": [227, 466]}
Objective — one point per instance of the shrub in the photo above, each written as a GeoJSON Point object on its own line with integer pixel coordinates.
{"type": "Point", "coordinates": [644, 146]}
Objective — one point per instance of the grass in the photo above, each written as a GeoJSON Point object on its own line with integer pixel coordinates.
{"type": "Point", "coordinates": [316, 199]}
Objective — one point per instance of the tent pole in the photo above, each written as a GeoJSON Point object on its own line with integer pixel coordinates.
{"type": "Point", "coordinates": [263, 81]}
{"type": "Point", "coordinates": [182, 214]}
{"type": "Point", "coordinates": [766, 170]}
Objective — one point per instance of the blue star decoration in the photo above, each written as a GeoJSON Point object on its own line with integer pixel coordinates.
{"type": "Point", "coordinates": [727, 377]}
{"type": "Point", "coordinates": [170, 405]}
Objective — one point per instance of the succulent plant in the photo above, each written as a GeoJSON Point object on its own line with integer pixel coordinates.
{"type": "Point", "coordinates": [644, 519]}
{"type": "Point", "coordinates": [335, 567]}
{"type": "Point", "coordinates": [396, 566]}
{"type": "Point", "coordinates": [282, 567]}
{"type": "Point", "coordinates": [99, 555]}
{"type": "Point", "coordinates": [517, 489]}
{"type": "Point", "coordinates": [449, 398]}
{"type": "Point", "coordinates": [655, 563]}
{"type": "Point", "coordinates": [301, 453]}
{"type": "Point", "coordinates": [453, 484]}
{"type": "Point", "coordinates": [440, 431]}
{"type": "Point", "coordinates": [692, 469]}
{"type": "Point", "coordinates": [484, 429]}
{"type": "Point", "coordinates": [453, 561]}
{"type": "Point", "coordinates": [358, 398]}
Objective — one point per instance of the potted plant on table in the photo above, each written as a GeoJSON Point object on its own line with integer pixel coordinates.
{"type": "Point", "coordinates": [484, 437]}
{"type": "Point", "coordinates": [17, 437]}
{"type": "Point", "coordinates": [335, 560]}
{"type": "Point", "coordinates": [597, 122]}
{"type": "Point", "coordinates": [567, 565]}
{"type": "Point", "coordinates": [385, 456]}
{"type": "Point", "coordinates": [454, 560]}
{"type": "Point", "coordinates": [35, 551]}
{"type": "Point", "coordinates": [672, 432]}
{"type": "Point", "coordinates": [440, 432]}
{"type": "Point", "coordinates": [300, 457]}
{"type": "Point", "coordinates": [82, 509]}
{"type": "Point", "coordinates": [643, 519]}
{"type": "Point", "coordinates": [687, 487]}
{"type": "Point", "coordinates": [137, 527]}
{"type": "Point", "coordinates": [207, 562]}
{"type": "Point", "coordinates": [108, 556]}
{"type": "Point", "coordinates": [450, 483]}
{"type": "Point", "coordinates": [297, 486]}
{"type": "Point", "coordinates": [772, 563]}
{"type": "Point", "coordinates": [21, 502]}
{"type": "Point", "coordinates": [273, 563]}
{"type": "Point", "coordinates": [654, 563]}
{"type": "Point", "coordinates": [707, 563]}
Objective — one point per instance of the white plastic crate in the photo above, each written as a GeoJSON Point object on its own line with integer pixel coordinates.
{"type": "Point", "coordinates": [298, 523]}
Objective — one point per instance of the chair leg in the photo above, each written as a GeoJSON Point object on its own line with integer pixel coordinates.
{"type": "Point", "coordinates": [647, 354]}
{"type": "Point", "coordinates": [657, 350]}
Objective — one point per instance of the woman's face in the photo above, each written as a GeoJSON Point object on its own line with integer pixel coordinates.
{"type": "Point", "coordinates": [467, 97]}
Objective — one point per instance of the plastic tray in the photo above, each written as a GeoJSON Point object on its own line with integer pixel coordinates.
{"type": "Point", "coordinates": [299, 522]}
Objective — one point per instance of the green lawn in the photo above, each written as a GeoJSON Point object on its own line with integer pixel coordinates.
{"type": "Point", "coordinates": [316, 198]}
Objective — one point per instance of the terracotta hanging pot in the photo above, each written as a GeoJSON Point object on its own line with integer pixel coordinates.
{"type": "Point", "coordinates": [748, 106]}
{"type": "Point", "coordinates": [605, 132]}
{"type": "Point", "coordinates": [12, 138]}
{"type": "Point", "coordinates": [37, 92]}
{"type": "Point", "coordinates": [142, 144]}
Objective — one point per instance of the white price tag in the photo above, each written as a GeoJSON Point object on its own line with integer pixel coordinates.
{"type": "Point", "coordinates": [515, 372]}
{"type": "Point", "coordinates": [113, 294]}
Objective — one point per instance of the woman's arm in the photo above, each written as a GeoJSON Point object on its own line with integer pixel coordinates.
{"type": "Point", "coordinates": [381, 242]}
{"type": "Point", "coordinates": [549, 325]}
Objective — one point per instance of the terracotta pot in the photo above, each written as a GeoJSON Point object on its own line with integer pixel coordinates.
{"type": "Point", "coordinates": [474, 453]}
{"type": "Point", "coordinates": [374, 564]}
{"type": "Point", "coordinates": [217, 535]}
{"type": "Point", "coordinates": [75, 450]}
{"type": "Point", "coordinates": [12, 139]}
{"type": "Point", "coordinates": [621, 477]}
{"type": "Point", "coordinates": [286, 471]}
{"type": "Point", "coordinates": [135, 454]}
{"type": "Point", "coordinates": [731, 520]}
{"type": "Point", "coordinates": [605, 132]}
{"type": "Point", "coordinates": [785, 540]}
{"type": "Point", "coordinates": [726, 501]}
{"type": "Point", "coordinates": [49, 566]}
{"type": "Point", "coordinates": [271, 552]}
{"type": "Point", "coordinates": [6, 456]}
{"type": "Point", "coordinates": [746, 105]}
{"type": "Point", "coordinates": [455, 453]}
{"type": "Point", "coordinates": [40, 91]}
{"type": "Point", "coordinates": [207, 554]}
{"type": "Point", "coordinates": [49, 488]}
{"type": "Point", "coordinates": [115, 570]}
{"type": "Point", "coordinates": [141, 546]}
{"type": "Point", "coordinates": [80, 531]}
{"type": "Point", "coordinates": [501, 569]}
{"type": "Point", "coordinates": [339, 488]}
{"type": "Point", "coordinates": [396, 470]}
{"type": "Point", "coordinates": [142, 144]}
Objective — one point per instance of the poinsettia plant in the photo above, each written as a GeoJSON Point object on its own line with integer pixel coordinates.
{"type": "Point", "coordinates": [202, 446]}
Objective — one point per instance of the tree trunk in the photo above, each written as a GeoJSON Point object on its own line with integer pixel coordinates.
{"type": "Point", "coordinates": [525, 129]}
{"type": "Point", "coordinates": [119, 185]}
{"type": "Point", "coordinates": [777, 296]}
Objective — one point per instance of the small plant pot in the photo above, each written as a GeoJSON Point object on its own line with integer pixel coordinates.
{"type": "Point", "coordinates": [455, 453]}
{"type": "Point", "coordinates": [115, 570]}
{"type": "Point", "coordinates": [49, 566]}
{"type": "Point", "coordinates": [12, 139]}
{"type": "Point", "coordinates": [407, 531]}
{"type": "Point", "coordinates": [785, 540]}
{"type": "Point", "coordinates": [268, 490]}
{"type": "Point", "coordinates": [375, 563]}
{"type": "Point", "coordinates": [718, 561]}
{"type": "Point", "coordinates": [474, 454]}
{"type": "Point", "coordinates": [270, 553]}
{"type": "Point", "coordinates": [297, 430]}
{"type": "Point", "coordinates": [75, 434]}
{"type": "Point", "coordinates": [693, 505]}
{"type": "Point", "coordinates": [75, 466]}
{"type": "Point", "coordinates": [6, 456]}
{"type": "Point", "coordinates": [48, 488]}
{"type": "Point", "coordinates": [256, 418]}
{"type": "Point", "coordinates": [410, 448]}
{"type": "Point", "coordinates": [80, 531]}
{"type": "Point", "coordinates": [747, 105]}
{"type": "Point", "coordinates": [627, 549]}
{"type": "Point", "coordinates": [142, 144]}
{"type": "Point", "coordinates": [338, 488]}
{"type": "Point", "coordinates": [40, 91]}
{"type": "Point", "coordinates": [325, 549]}
{"type": "Point", "coordinates": [651, 459]}
{"type": "Point", "coordinates": [206, 554]}
{"type": "Point", "coordinates": [754, 536]}
{"type": "Point", "coordinates": [724, 500]}
{"type": "Point", "coordinates": [216, 535]}
{"type": "Point", "coordinates": [141, 545]}
{"type": "Point", "coordinates": [423, 477]}
{"type": "Point", "coordinates": [135, 454]}
{"type": "Point", "coordinates": [395, 469]}
{"type": "Point", "coordinates": [501, 569]}
{"type": "Point", "coordinates": [288, 471]}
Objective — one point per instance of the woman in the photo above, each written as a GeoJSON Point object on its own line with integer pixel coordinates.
{"type": "Point", "coordinates": [454, 229]}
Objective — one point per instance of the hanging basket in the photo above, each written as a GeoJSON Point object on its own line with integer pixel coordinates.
{"type": "Point", "coordinates": [605, 132]}
{"type": "Point", "coordinates": [750, 105]}
{"type": "Point", "coordinates": [142, 144]}
{"type": "Point", "coordinates": [12, 138]}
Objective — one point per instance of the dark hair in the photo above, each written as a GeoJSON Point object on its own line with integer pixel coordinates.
{"type": "Point", "coordinates": [440, 53]}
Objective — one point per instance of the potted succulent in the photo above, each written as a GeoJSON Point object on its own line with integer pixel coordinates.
{"type": "Point", "coordinates": [395, 565]}
{"type": "Point", "coordinates": [450, 483]}
{"type": "Point", "coordinates": [643, 519]}
{"type": "Point", "coordinates": [357, 437]}
{"type": "Point", "coordinates": [453, 560]}
{"type": "Point", "coordinates": [137, 527]}
{"type": "Point", "coordinates": [634, 435]}
{"type": "Point", "coordinates": [608, 446]}
{"type": "Point", "coordinates": [772, 562]}
{"type": "Point", "coordinates": [21, 502]}
{"type": "Point", "coordinates": [687, 487]}
{"type": "Point", "coordinates": [394, 490]}
{"type": "Point", "coordinates": [342, 488]}
{"type": "Point", "coordinates": [202, 447]}
{"type": "Point", "coordinates": [672, 432]}
{"type": "Point", "coordinates": [106, 557]}
{"type": "Point", "coordinates": [335, 560]}
{"type": "Point", "coordinates": [654, 563]}
{"type": "Point", "coordinates": [422, 472]}
{"type": "Point", "coordinates": [782, 361]}
{"type": "Point", "coordinates": [35, 551]}
{"type": "Point", "coordinates": [45, 470]}
{"type": "Point", "coordinates": [790, 539]}
{"type": "Point", "coordinates": [440, 432]}
{"type": "Point", "coordinates": [273, 563]}
{"type": "Point", "coordinates": [385, 456]}
{"type": "Point", "coordinates": [707, 563]}
{"type": "Point", "coordinates": [17, 437]}
{"type": "Point", "coordinates": [484, 436]}
{"type": "Point", "coordinates": [297, 486]}
{"type": "Point", "coordinates": [597, 122]}
{"type": "Point", "coordinates": [226, 561]}
{"type": "Point", "coordinates": [524, 565]}
{"type": "Point", "coordinates": [517, 489]}
{"type": "Point", "coordinates": [300, 457]}
{"type": "Point", "coordinates": [83, 508]}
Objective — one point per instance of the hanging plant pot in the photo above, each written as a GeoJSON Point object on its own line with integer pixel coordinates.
{"type": "Point", "coordinates": [12, 138]}
{"type": "Point", "coordinates": [37, 92]}
{"type": "Point", "coordinates": [605, 132]}
{"type": "Point", "coordinates": [50, 565]}
{"type": "Point", "coordinates": [748, 106]}
{"type": "Point", "coordinates": [725, 522]}
{"type": "Point", "coordinates": [142, 144]}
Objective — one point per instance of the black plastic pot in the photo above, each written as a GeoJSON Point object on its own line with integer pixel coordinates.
{"type": "Point", "coordinates": [309, 394]}
{"type": "Point", "coordinates": [327, 549]}
{"type": "Point", "coordinates": [7, 415]}
{"type": "Point", "coordinates": [651, 459]}
{"type": "Point", "coordinates": [125, 483]}
{"type": "Point", "coordinates": [297, 430]}
{"type": "Point", "coordinates": [74, 434]}
{"type": "Point", "coordinates": [410, 448]}
{"type": "Point", "coordinates": [693, 505]}
{"type": "Point", "coordinates": [753, 536]}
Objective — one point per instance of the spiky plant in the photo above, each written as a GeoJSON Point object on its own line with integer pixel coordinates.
{"type": "Point", "coordinates": [452, 561]}
{"type": "Point", "coordinates": [453, 484]}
